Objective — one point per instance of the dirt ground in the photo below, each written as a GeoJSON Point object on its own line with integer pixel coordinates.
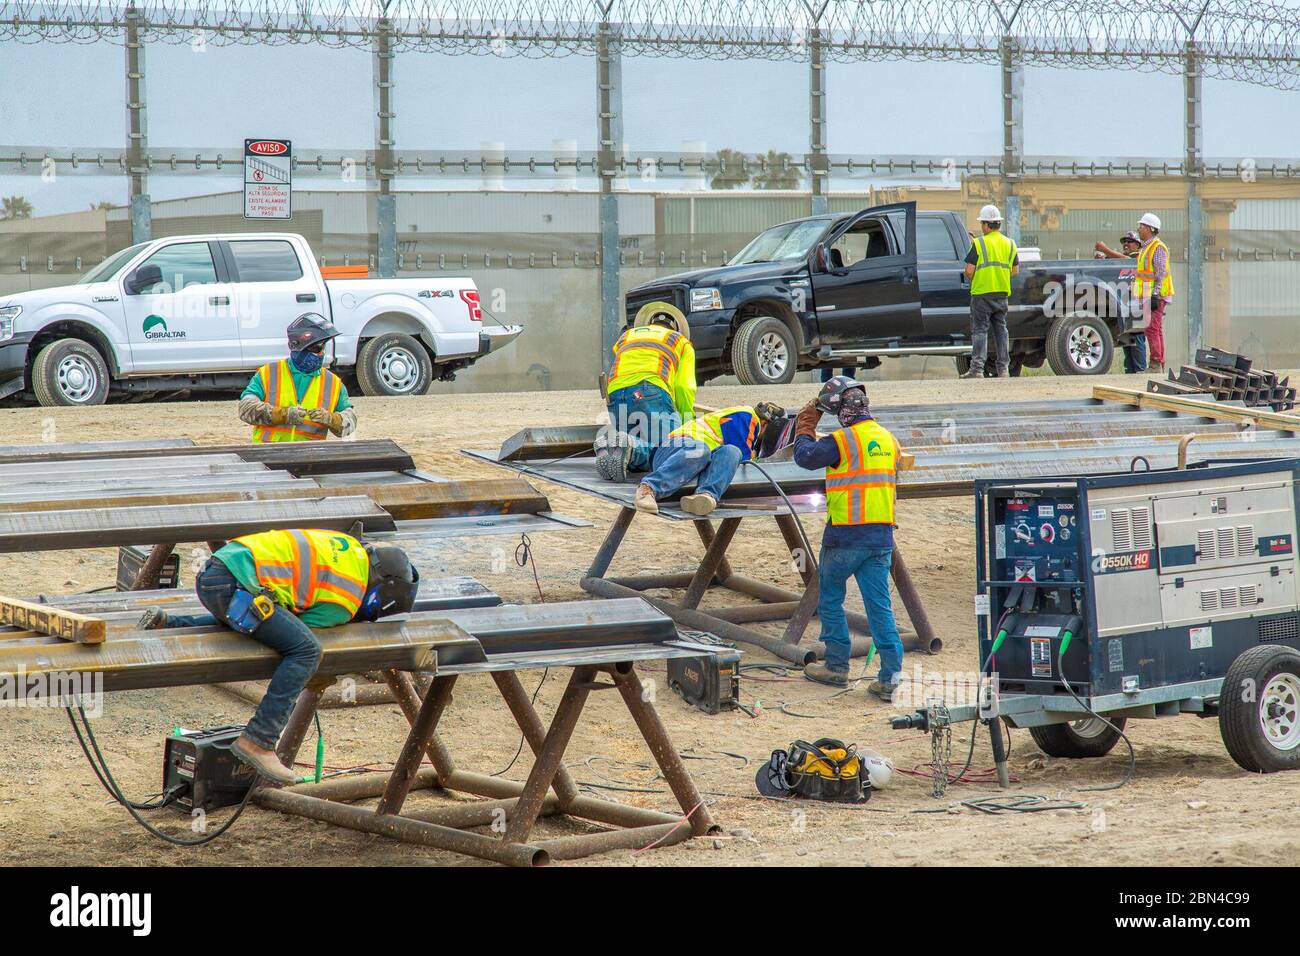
{"type": "Point", "coordinates": [1188, 803]}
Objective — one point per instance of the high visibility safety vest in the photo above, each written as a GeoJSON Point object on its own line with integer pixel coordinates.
{"type": "Point", "coordinates": [648, 353]}
{"type": "Point", "coordinates": [860, 489]}
{"type": "Point", "coordinates": [277, 386]}
{"type": "Point", "coordinates": [303, 568]}
{"type": "Point", "coordinates": [1144, 281]}
{"type": "Point", "coordinates": [737, 426]}
{"type": "Point", "coordinates": [995, 253]}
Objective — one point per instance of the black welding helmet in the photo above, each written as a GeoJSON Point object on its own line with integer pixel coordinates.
{"type": "Point", "coordinates": [310, 331]}
{"type": "Point", "coordinates": [393, 583]}
{"type": "Point", "coordinates": [831, 396]}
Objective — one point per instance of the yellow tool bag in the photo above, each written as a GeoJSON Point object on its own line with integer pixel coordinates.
{"type": "Point", "coordinates": [826, 769]}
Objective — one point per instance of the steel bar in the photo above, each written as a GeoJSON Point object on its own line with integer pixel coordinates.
{"type": "Point", "coordinates": [550, 756]}
{"type": "Point", "coordinates": [26, 471]}
{"type": "Point", "coordinates": [715, 554]}
{"type": "Point", "coordinates": [534, 731]}
{"type": "Point", "coordinates": [146, 579]}
{"type": "Point", "coordinates": [89, 494]}
{"type": "Point", "coordinates": [408, 699]}
{"type": "Point", "coordinates": [705, 530]}
{"type": "Point", "coordinates": [520, 627]}
{"type": "Point", "coordinates": [302, 458]}
{"type": "Point", "coordinates": [613, 538]}
{"type": "Point", "coordinates": [360, 786]}
{"type": "Point", "coordinates": [755, 613]}
{"type": "Point", "coordinates": [587, 844]}
{"type": "Point", "coordinates": [94, 449]}
{"type": "Point", "coordinates": [174, 658]}
{"type": "Point", "coordinates": [55, 530]}
{"type": "Point", "coordinates": [402, 828]}
{"type": "Point", "coordinates": [804, 612]}
{"type": "Point", "coordinates": [915, 606]}
{"type": "Point", "coordinates": [422, 729]}
{"type": "Point", "coordinates": [301, 718]}
{"type": "Point", "coordinates": [413, 501]}
{"type": "Point", "coordinates": [794, 540]}
{"type": "Point", "coordinates": [661, 747]}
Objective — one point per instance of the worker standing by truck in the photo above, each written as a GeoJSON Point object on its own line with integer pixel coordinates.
{"type": "Point", "coordinates": [298, 399]}
{"type": "Point", "coordinates": [275, 586]}
{"type": "Point", "coordinates": [651, 390]}
{"type": "Point", "coordinates": [861, 462]}
{"type": "Point", "coordinates": [1135, 353]}
{"type": "Point", "coordinates": [992, 261]}
{"type": "Point", "coordinates": [707, 450]}
{"type": "Point", "coordinates": [1153, 286]}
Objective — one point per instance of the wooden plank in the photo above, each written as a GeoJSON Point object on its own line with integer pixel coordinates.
{"type": "Point", "coordinates": [1189, 406]}
{"type": "Point", "coordinates": [404, 502]}
{"type": "Point", "coordinates": [43, 619]}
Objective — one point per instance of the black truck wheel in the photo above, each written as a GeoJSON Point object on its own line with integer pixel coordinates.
{"type": "Point", "coordinates": [763, 352]}
{"type": "Point", "coordinates": [70, 372]}
{"type": "Point", "coordinates": [394, 364]}
{"type": "Point", "coordinates": [1259, 709]}
{"type": "Point", "coordinates": [1080, 345]}
{"type": "Point", "coordinates": [1089, 737]}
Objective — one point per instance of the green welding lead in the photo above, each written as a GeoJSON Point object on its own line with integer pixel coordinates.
{"type": "Point", "coordinates": [320, 755]}
{"type": "Point", "coordinates": [997, 641]}
{"type": "Point", "coordinates": [1065, 642]}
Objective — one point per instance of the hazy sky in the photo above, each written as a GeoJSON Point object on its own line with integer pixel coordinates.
{"type": "Point", "coordinates": [72, 95]}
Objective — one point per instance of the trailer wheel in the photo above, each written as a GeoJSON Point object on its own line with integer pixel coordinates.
{"type": "Point", "coordinates": [1089, 737]}
{"type": "Point", "coordinates": [394, 364]}
{"type": "Point", "coordinates": [1080, 345]}
{"type": "Point", "coordinates": [1259, 709]}
{"type": "Point", "coordinates": [763, 352]}
{"type": "Point", "coordinates": [70, 372]}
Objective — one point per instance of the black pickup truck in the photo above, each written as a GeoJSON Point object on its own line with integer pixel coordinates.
{"type": "Point", "coordinates": [852, 288]}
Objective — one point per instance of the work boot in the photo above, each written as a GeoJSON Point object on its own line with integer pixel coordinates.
{"type": "Point", "coordinates": [822, 674]}
{"type": "Point", "coordinates": [699, 504]}
{"type": "Point", "coordinates": [645, 500]}
{"type": "Point", "coordinates": [1156, 367]}
{"type": "Point", "coordinates": [613, 454]}
{"type": "Point", "coordinates": [1004, 373]}
{"type": "Point", "coordinates": [152, 619]}
{"type": "Point", "coordinates": [972, 372]}
{"type": "Point", "coordinates": [884, 692]}
{"type": "Point", "coordinates": [264, 761]}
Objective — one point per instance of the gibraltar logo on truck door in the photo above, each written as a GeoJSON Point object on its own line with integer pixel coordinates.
{"type": "Point", "coordinates": [155, 327]}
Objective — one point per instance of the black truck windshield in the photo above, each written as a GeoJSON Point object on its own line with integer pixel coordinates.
{"type": "Point", "coordinates": [791, 240]}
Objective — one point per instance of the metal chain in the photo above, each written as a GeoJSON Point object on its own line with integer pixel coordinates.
{"type": "Point", "coordinates": [940, 723]}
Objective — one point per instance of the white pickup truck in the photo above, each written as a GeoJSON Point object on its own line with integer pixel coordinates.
{"type": "Point", "coordinates": [203, 312]}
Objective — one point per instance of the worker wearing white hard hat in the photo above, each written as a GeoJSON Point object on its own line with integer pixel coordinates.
{"type": "Point", "coordinates": [1153, 286]}
{"type": "Point", "coordinates": [992, 261]}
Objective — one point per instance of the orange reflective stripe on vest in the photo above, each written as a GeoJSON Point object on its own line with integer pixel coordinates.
{"type": "Point", "coordinates": [1144, 281]}
{"type": "Point", "coordinates": [861, 488]}
{"type": "Point", "coordinates": [303, 568]}
{"type": "Point", "coordinates": [648, 353]}
{"type": "Point", "coordinates": [277, 385]}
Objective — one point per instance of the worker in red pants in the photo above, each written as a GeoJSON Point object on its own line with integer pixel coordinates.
{"type": "Point", "coordinates": [1153, 286]}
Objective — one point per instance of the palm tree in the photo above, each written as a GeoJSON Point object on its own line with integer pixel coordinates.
{"type": "Point", "coordinates": [15, 207]}
{"type": "Point", "coordinates": [730, 173]}
{"type": "Point", "coordinates": [777, 174]}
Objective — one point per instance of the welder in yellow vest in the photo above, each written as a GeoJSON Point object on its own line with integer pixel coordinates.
{"type": "Point", "coordinates": [706, 450]}
{"type": "Point", "coordinates": [861, 462]}
{"type": "Point", "coordinates": [275, 587]}
{"type": "Point", "coordinates": [990, 265]}
{"type": "Point", "coordinates": [651, 390]}
{"type": "Point", "coordinates": [298, 399]}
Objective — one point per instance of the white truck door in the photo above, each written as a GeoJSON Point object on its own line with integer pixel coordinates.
{"type": "Point", "coordinates": [177, 308]}
{"type": "Point", "coordinates": [273, 286]}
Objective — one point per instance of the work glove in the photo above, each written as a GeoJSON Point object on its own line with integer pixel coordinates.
{"type": "Point", "coordinates": [331, 420]}
{"type": "Point", "coordinates": [806, 422]}
{"type": "Point", "coordinates": [295, 415]}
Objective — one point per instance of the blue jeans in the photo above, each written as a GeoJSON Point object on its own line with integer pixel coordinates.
{"type": "Point", "coordinates": [870, 566]}
{"type": "Point", "coordinates": [688, 460]}
{"type": "Point", "coordinates": [282, 632]}
{"type": "Point", "coordinates": [1135, 355]}
{"type": "Point", "coordinates": [827, 374]}
{"type": "Point", "coordinates": [645, 413]}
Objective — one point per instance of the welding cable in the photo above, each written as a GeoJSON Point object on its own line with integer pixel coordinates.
{"type": "Point", "coordinates": [799, 524]}
{"type": "Point", "coordinates": [520, 749]}
{"type": "Point", "coordinates": [1132, 755]}
{"type": "Point", "coordinates": [165, 798]}
{"type": "Point", "coordinates": [116, 792]}
{"type": "Point", "coordinates": [524, 559]}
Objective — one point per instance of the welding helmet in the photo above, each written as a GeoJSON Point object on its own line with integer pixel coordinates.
{"type": "Point", "coordinates": [831, 397]}
{"type": "Point", "coordinates": [309, 332]}
{"type": "Point", "coordinates": [393, 583]}
{"type": "Point", "coordinates": [665, 314]}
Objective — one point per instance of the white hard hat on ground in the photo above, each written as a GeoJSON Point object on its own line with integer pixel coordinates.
{"type": "Point", "coordinates": [1150, 219]}
{"type": "Point", "coordinates": [990, 213]}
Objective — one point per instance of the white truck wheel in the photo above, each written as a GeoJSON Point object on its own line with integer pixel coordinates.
{"type": "Point", "coordinates": [70, 372]}
{"type": "Point", "coordinates": [394, 364]}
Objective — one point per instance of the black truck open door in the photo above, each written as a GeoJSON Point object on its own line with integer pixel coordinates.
{"type": "Point", "coordinates": [865, 286]}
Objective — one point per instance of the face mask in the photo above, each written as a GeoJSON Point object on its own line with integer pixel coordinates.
{"type": "Point", "coordinates": [306, 362]}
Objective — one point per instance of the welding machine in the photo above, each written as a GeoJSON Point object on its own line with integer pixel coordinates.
{"type": "Point", "coordinates": [1142, 594]}
{"type": "Point", "coordinates": [711, 682]}
{"type": "Point", "coordinates": [199, 766]}
{"type": "Point", "coordinates": [130, 559]}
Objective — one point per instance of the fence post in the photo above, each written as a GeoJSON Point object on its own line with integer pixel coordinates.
{"type": "Point", "coordinates": [1193, 172]}
{"type": "Point", "coordinates": [609, 124]}
{"type": "Point", "coordinates": [385, 165]}
{"type": "Point", "coordinates": [818, 168]}
{"type": "Point", "coordinates": [1013, 133]}
{"type": "Point", "coordinates": [137, 137]}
